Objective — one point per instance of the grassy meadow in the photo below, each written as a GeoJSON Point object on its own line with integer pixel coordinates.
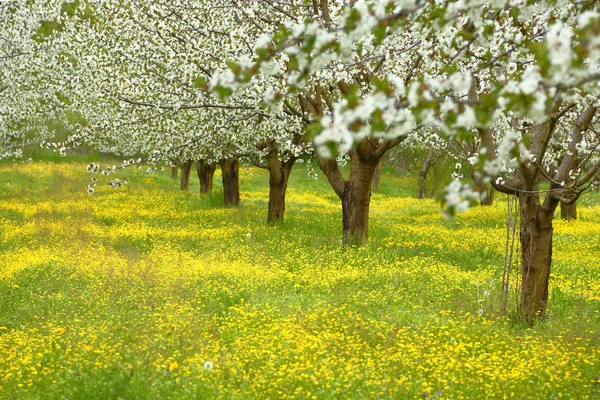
{"type": "Point", "coordinates": [150, 293]}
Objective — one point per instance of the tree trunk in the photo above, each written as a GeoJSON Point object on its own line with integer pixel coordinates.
{"type": "Point", "coordinates": [486, 193]}
{"type": "Point", "coordinates": [536, 255]}
{"type": "Point", "coordinates": [488, 199]}
{"type": "Point", "coordinates": [277, 189]}
{"type": "Point", "coordinates": [184, 182]}
{"type": "Point", "coordinates": [279, 173]}
{"type": "Point", "coordinates": [355, 192]}
{"type": "Point", "coordinates": [230, 168]}
{"type": "Point", "coordinates": [421, 186]}
{"type": "Point", "coordinates": [427, 164]}
{"type": "Point", "coordinates": [377, 176]}
{"type": "Point", "coordinates": [356, 199]}
{"type": "Point", "coordinates": [174, 172]}
{"type": "Point", "coordinates": [568, 211]}
{"type": "Point", "coordinates": [206, 172]}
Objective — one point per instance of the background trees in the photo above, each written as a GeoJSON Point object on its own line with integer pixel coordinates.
{"type": "Point", "coordinates": [140, 74]}
{"type": "Point", "coordinates": [27, 102]}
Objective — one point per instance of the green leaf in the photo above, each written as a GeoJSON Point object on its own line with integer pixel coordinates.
{"type": "Point", "coordinates": [200, 82]}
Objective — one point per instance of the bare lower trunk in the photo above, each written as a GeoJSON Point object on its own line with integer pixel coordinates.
{"type": "Point", "coordinates": [568, 211]}
{"type": "Point", "coordinates": [206, 172]}
{"type": "Point", "coordinates": [277, 190]}
{"type": "Point", "coordinates": [377, 176]}
{"type": "Point", "coordinates": [174, 171]}
{"type": "Point", "coordinates": [422, 185]}
{"type": "Point", "coordinates": [536, 256]}
{"type": "Point", "coordinates": [279, 173]}
{"type": "Point", "coordinates": [355, 192]}
{"type": "Point", "coordinates": [184, 182]}
{"type": "Point", "coordinates": [427, 164]}
{"type": "Point", "coordinates": [355, 202]}
{"type": "Point", "coordinates": [230, 169]}
{"type": "Point", "coordinates": [486, 193]}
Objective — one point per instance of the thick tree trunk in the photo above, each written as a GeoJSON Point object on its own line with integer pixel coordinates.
{"type": "Point", "coordinates": [278, 181]}
{"type": "Point", "coordinates": [377, 176]}
{"type": "Point", "coordinates": [184, 182]}
{"type": "Point", "coordinates": [206, 172]}
{"type": "Point", "coordinates": [355, 192]}
{"type": "Point", "coordinates": [356, 199]}
{"type": "Point", "coordinates": [230, 169]}
{"type": "Point", "coordinates": [279, 173]}
{"type": "Point", "coordinates": [174, 171]}
{"type": "Point", "coordinates": [536, 255]}
{"type": "Point", "coordinates": [568, 211]}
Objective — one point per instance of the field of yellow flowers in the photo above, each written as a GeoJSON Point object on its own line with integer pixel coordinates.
{"type": "Point", "coordinates": [148, 292]}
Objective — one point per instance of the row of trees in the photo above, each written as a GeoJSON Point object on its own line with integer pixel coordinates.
{"type": "Point", "coordinates": [510, 86]}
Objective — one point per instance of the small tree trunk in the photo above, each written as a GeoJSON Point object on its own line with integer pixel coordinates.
{"type": "Point", "coordinates": [487, 198]}
{"type": "Point", "coordinates": [230, 169]}
{"type": "Point", "coordinates": [355, 202]}
{"type": "Point", "coordinates": [568, 211]}
{"type": "Point", "coordinates": [486, 193]}
{"type": "Point", "coordinates": [206, 172]}
{"type": "Point", "coordinates": [174, 171]}
{"type": "Point", "coordinates": [184, 182]}
{"type": "Point", "coordinates": [536, 256]}
{"type": "Point", "coordinates": [377, 176]}
{"type": "Point", "coordinates": [427, 164]}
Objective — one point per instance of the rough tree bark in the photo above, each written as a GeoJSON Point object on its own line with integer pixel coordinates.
{"type": "Point", "coordinates": [377, 176]}
{"type": "Point", "coordinates": [230, 169]}
{"type": "Point", "coordinates": [429, 162]}
{"type": "Point", "coordinates": [174, 171]}
{"type": "Point", "coordinates": [536, 217]}
{"type": "Point", "coordinates": [279, 173]}
{"type": "Point", "coordinates": [536, 253]}
{"type": "Point", "coordinates": [206, 172]}
{"type": "Point", "coordinates": [568, 211]}
{"type": "Point", "coordinates": [355, 192]}
{"type": "Point", "coordinates": [356, 200]}
{"type": "Point", "coordinates": [184, 182]}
